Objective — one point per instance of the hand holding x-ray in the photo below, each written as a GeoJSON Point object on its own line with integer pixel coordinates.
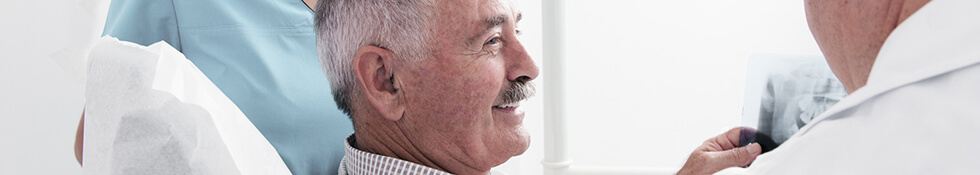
{"type": "Point", "coordinates": [722, 151]}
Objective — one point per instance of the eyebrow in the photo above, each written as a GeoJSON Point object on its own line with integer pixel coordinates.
{"type": "Point", "coordinates": [494, 21]}
{"type": "Point", "coordinates": [491, 23]}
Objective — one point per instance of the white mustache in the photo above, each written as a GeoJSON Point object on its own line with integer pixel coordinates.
{"type": "Point", "coordinates": [518, 91]}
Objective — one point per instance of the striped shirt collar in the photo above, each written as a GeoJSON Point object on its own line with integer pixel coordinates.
{"type": "Point", "coordinates": [357, 162]}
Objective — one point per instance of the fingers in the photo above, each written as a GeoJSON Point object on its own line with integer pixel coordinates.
{"type": "Point", "coordinates": [730, 139]}
{"type": "Point", "coordinates": [722, 152]}
{"type": "Point", "coordinates": [740, 157]}
{"type": "Point", "coordinates": [709, 162]}
{"type": "Point", "coordinates": [746, 136]}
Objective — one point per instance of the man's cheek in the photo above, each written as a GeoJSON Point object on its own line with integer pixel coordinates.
{"type": "Point", "coordinates": [486, 86]}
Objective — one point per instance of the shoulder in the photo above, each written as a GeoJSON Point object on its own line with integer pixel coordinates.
{"type": "Point", "coordinates": [921, 124]}
{"type": "Point", "coordinates": [940, 92]}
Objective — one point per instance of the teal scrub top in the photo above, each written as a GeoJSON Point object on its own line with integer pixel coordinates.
{"type": "Point", "coordinates": [262, 55]}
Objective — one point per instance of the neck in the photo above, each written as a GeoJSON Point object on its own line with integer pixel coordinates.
{"type": "Point", "coordinates": [388, 139]}
{"type": "Point", "coordinates": [909, 7]}
{"type": "Point", "coordinates": [854, 64]}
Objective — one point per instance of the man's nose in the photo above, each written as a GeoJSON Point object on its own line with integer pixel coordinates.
{"type": "Point", "coordinates": [520, 64]}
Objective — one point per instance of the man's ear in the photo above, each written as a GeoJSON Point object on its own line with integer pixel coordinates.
{"type": "Point", "coordinates": [373, 69]}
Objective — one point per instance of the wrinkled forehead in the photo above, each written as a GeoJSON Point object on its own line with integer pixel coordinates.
{"type": "Point", "coordinates": [473, 9]}
{"type": "Point", "coordinates": [471, 15]}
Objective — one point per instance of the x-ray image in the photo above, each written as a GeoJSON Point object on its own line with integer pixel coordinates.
{"type": "Point", "coordinates": [785, 93]}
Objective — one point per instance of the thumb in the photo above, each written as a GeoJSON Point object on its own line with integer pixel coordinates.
{"type": "Point", "coordinates": [741, 156]}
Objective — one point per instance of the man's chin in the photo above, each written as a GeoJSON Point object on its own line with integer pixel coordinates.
{"type": "Point", "coordinates": [514, 145]}
{"type": "Point", "coordinates": [525, 141]}
{"type": "Point", "coordinates": [520, 144]}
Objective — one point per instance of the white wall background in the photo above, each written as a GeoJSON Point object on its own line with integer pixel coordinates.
{"type": "Point", "coordinates": [42, 44]}
{"type": "Point", "coordinates": [648, 79]}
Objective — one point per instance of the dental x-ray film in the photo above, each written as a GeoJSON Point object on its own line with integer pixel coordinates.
{"type": "Point", "coordinates": [784, 93]}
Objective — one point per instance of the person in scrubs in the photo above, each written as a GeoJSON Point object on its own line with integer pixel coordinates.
{"type": "Point", "coordinates": [262, 55]}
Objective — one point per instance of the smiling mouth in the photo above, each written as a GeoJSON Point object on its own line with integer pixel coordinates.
{"type": "Point", "coordinates": [507, 106]}
{"type": "Point", "coordinates": [508, 109]}
{"type": "Point", "coordinates": [509, 113]}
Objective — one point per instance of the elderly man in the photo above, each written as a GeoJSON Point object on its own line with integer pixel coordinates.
{"type": "Point", "coordinates": [432, 86]}
{"type": "Point", "coordinates": [912, 68]}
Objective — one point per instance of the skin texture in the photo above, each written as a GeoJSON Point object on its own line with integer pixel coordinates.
{"type": "Point", "coordinates": [439, 111]}
{"type": "Point", "coordinates": [851, 32]}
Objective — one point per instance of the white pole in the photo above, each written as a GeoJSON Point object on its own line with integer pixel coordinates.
{"type": "Point", "coordinates": [556, 160]}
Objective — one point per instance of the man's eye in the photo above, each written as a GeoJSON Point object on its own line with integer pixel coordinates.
{"type": "Point", "coordinates": [492, 41]}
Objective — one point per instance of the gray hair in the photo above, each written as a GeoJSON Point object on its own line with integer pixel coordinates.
{"type": "Point", "coordinates": [343, 26]}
